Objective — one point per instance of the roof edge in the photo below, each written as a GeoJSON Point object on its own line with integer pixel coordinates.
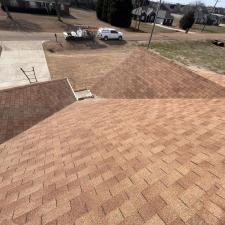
{"type": "Point", "coordinates": [35, 84]}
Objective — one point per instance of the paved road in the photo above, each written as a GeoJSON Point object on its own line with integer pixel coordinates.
{"type": "Point", "coordinates": [22, 36]}
{"type": "Point", "coordinates": [129, 36]}
{"type": "Point", "coordinates": [21, 54]}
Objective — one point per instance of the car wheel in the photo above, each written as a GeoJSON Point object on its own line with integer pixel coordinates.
{"type": "Point", "coordinates": [120, 38]}
{"type": "Point", "coordinates": [106, 38]}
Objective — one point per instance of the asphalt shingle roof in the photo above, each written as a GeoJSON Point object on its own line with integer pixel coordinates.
{"type": "Point", "coordinates": [118, 162]}
{"type": "Point", "coordinates": [115, 161]}
{"type": "Point", "coordinates": [147, 75]}
{"type": "Point", "coordinates": [23, 107]}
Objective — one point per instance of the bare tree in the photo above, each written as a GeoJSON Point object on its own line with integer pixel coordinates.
{"type": "Point", "coordinates": [200, 6]}
{"type": "Point", "coordinates": [57, 8]}
{"type": "Point", "coordinates": [5, 6]}
{"type": "Point", "coordinates": [196, 7]}
{"type": "Point", "coordinates": [213, 10]}
{"type": "Point", "coordinates": [137, 4]}
{"type": "Point", "coordinates": [140, 17]}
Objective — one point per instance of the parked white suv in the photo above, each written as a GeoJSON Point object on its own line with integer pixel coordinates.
{"type": "Point", "coordinates": [109, 33]}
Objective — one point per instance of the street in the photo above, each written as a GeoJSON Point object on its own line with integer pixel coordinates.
{"type": "Point", "coordinates": [128, 36]}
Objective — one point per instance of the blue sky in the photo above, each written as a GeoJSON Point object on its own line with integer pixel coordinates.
{"type": "Point", "coordinates": [221, 3]}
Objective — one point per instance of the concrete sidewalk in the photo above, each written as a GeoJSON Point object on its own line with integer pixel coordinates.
{"type": "Point", "coordinates": [21, 54]}
{"type": "Point", "coordinates": [175, 29]}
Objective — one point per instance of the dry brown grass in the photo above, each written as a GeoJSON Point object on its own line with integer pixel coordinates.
{"type": "Point", "coordinates": [45, 23]}
{"type": "Point", "coordinates": [35, 23]}
{"type": "Point", "coordinates": [83, 63]}
{"type": "Point", "coordinates": [194, 53]}
{"type": "Point", "coordinates": [147, 28]}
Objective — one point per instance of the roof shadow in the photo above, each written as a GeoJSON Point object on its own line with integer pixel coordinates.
{"type": "Point", "coordinates": [23, 107]}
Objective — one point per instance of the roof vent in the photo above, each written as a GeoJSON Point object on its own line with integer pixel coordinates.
{"type": "Point", "coordinates": [83, 94]}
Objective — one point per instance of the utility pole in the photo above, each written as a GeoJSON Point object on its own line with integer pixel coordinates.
{"type": "Point", "coordinates": [214, 7]}
{"type": "Point", "coordinates": [153, 28]}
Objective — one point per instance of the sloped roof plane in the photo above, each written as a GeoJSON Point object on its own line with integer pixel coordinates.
{"type": "Point", "coordinates": [156, 161]}
{"type": "Point", "coordinates": [147, 75]}
{"type": "Point", "coordinates": [118, 162]}
{"type": "Point", "coordinates": [23, 107]}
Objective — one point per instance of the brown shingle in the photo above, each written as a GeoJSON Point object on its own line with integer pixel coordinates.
{"type": "Point", "coordinates": [147, 75]}
{"type": "Point", "coordinates": [23, 107]}
{"type": "Point", "coordinates": [54, 174]}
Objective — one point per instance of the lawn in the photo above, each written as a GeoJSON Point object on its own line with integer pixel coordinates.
{"type": "Point", "coordinates": [147, 28]}
{"type": "Point", "coordinates": [35, 23]}
{"type": "Point", "coordinates": [196, 53]}
{"type": "Point", "coordinates": [46, 23]}
{"type": "Point", "coordinates": [208, 29]}
{"type": "Point", "coordinates": [198, 27]}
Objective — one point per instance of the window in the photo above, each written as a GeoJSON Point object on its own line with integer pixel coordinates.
{"type": "Point", "coordinates": [114, 32]}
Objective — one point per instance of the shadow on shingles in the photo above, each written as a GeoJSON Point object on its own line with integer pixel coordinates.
{"type": "Point", "coordinates": [19, 25]}
{"type": "Point", "coordinates": [23, 107]}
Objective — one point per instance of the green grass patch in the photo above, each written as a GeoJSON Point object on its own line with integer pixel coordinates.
{"type": "Point", "coordinates": [196, 53]}
{"type": "Point", "coordinates": [147, 28]}
{"type": "Point", "coordinates": [208, 29]}
{"type": "Point", "coordinates": [198, 27]}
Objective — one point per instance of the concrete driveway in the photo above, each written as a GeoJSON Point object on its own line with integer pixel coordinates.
{"type": "Point", "coordinates": [21, 54]}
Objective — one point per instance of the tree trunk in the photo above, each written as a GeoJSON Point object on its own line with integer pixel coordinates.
{"type": "Point", "coordinates": [6, 8]}
{"type": "Point", "coordinates": [57, 8]}
{"type": "Point", "coordinates": [140, 17]}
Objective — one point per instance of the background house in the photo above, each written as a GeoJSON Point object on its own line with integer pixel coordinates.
{"type": "Point", "coordinates": [147, 14]}
{"type": "Point", "coordinates": [217, 10]}
{"type": "Point", "coordinates": [164, 17]}
{"type": "Point", "coordinates": [175, 8]}
{"type": "Point", "coordinates": [38, 6]}
{"type": "Point", "coordinates": [216, 18]}
{"type": "Point", "coordinates": [201, 17]}
{"type": "Point", "coordinates": [209, 18]}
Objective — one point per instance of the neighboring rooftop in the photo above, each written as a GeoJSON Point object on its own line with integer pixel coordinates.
{"type": "Point", "coordinates": [147, 75]}
{"type": "Point", "coordinates": [124, 162]}
{"type": "Point", "coordinates": [22, 107]}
